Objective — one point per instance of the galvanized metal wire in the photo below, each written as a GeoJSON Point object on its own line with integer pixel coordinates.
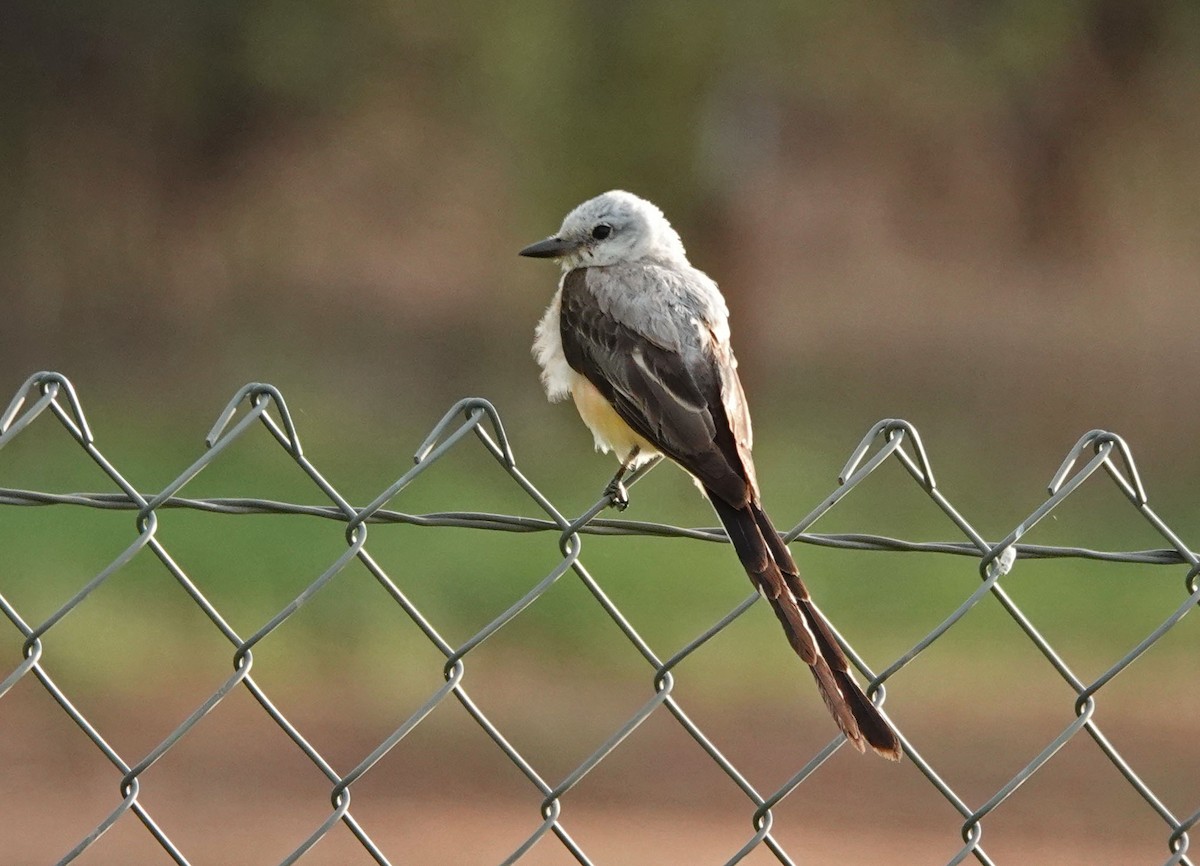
{"type": "Point", "coordinates": [51, 395]}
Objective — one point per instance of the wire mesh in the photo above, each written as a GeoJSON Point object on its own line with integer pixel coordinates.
{"type": "Point", "coordinates": [476, 420]}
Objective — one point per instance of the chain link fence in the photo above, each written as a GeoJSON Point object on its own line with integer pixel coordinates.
{"type": "Point", "coordinates": [51, 395]}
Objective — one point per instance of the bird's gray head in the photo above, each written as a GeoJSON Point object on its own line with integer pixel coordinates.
{"type": "Point", "coordinates": [615, 227]}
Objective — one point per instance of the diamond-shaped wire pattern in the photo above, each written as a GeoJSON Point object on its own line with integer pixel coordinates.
{"type": "Point", "coordinates": [264, 405]}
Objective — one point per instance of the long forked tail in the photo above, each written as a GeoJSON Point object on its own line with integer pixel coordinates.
{"type": "Point", "coordinates": [773, 572]}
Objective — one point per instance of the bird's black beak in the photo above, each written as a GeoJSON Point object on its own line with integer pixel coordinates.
{"type": "Point", "coordinates": [550, 248]}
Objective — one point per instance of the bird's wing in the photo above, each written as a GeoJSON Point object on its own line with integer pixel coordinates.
{"type": "Point", "coordinates": [674, 396]}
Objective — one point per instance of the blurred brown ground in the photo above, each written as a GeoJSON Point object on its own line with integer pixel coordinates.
{"type": "Point", "coordinates": [235, 790]}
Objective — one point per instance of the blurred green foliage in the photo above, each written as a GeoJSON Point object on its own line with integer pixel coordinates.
{"type": "Point", "coordinates": [198, 74]}
{"type": "Point", "coordinates": [139, 623]}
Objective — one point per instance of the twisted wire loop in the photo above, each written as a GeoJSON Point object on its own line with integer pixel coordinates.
{"type": "Point", "coordinates": [262, 405]}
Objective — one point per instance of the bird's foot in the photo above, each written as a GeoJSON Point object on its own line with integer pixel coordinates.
{"type": "Point", "coordinates": [617, 494]}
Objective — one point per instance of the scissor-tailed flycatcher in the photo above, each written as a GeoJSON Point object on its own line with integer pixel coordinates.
{"type": "Point", "coordinates": [640, 340]}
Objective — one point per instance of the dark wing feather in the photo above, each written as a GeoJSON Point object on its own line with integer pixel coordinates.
{"type": "Point", "coordinates": [671, 399]}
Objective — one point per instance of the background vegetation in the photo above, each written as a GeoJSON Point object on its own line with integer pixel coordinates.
{"type": "Point", "coordinates": [978, 216]}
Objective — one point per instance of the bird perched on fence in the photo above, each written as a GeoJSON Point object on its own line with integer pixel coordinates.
{"type": "Point", "coordinates": [640, 340]}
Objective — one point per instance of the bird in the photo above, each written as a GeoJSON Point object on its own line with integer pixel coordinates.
{"type": "Point", "coordinates": [639, 339]}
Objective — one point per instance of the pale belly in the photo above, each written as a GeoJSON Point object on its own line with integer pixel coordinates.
{"type": "Point", "coordinates": [609, 430]}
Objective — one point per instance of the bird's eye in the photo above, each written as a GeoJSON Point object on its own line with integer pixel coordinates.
{"type": "Point", "coordinates": [601, 231]}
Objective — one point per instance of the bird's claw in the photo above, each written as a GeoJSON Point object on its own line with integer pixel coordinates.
{"type": "Point", "coordinates": [617, 495]}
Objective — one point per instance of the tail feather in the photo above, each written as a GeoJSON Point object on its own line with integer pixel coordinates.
{"type": "Point", "coordinates": [773, 572]}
